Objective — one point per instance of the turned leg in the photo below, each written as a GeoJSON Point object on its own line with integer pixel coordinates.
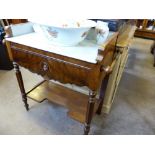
{"type": "Point", "coordinates": [90, 110]}
{"type": "Point", "coordinates": [102, 94]}
{"type": "Point", "coordinates": [21, 85]}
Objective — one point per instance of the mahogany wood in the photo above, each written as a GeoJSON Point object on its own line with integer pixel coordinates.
{"type": "Point", "coordinates": [74, 101]}
{"type": "Point", "coordinates": [61, 68]}
{"type": "Point", "coordinates": [102, 94]}
{"type": "Point", "coordinates": [17, 21]}
{"type": "Point", "coordinates": [21, 85]}
{"type": "Point", "coordinates": [90, 110]}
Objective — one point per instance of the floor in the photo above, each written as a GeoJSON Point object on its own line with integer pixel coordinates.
{"type": "Point", "coordinates": [132, 113]}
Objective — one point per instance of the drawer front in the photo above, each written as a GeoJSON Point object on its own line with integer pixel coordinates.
{"type": "Point", "coordinates": [63, 69]}
{"type": "Point", "coordinates": [51, 67]}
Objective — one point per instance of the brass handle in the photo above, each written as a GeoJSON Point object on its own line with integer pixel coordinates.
{"type": "Point", "coordinates": [108, 69]}
{"type": "Point", "coordinates": [45, 66]}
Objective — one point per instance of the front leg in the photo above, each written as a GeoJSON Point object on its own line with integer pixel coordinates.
{"type": "Point", "coordinates": [90, 110]}
{"type": "Point", "coordinates": [21, 84]}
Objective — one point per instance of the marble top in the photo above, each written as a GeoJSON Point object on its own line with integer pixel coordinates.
{"type": "Point", "coordinates": [87, 50]}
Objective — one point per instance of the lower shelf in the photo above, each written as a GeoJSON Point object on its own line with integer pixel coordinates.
{"type": "Point", "coordinates": [75, 102]}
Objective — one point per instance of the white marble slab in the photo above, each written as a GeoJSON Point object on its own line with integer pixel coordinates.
{"type": "Point", "coordinates": [85, 51]}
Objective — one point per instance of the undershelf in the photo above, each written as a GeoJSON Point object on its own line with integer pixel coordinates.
{"type": "Point", "coordinates": [74, 101]}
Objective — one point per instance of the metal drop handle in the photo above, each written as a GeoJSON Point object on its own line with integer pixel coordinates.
{"type": "Point", "coordinates": [45, 66]}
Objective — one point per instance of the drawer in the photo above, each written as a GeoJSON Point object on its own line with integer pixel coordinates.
{"type": "Point", "coordinates": [62, 68]}
{"type": "Point", "coordinates": [51, 67]}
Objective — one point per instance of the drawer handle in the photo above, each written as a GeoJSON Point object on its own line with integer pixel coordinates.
{"type": "Point", "coordinates": [45, 66]}
{"type": "Point", "coordinates": [108, 69]}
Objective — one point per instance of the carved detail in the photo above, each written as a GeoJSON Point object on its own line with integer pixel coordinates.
{"type": "Point", "coordinates": [49, 58]}
{"type": "Point", "coordinates": [62, 68]}
{"type": "Point", "coordinates": [55, 68]}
